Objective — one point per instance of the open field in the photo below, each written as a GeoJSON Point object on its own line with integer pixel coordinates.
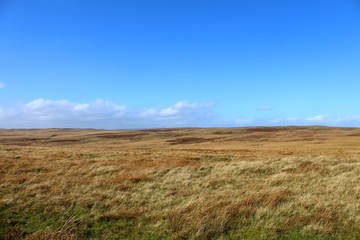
{"type": "Point", "coordinates": [228, 183]}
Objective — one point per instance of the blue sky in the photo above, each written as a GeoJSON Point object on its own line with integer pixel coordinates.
{"type": "Point", "coordinates": [140, 64]}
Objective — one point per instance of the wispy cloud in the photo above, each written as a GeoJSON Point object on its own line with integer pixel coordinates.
{"type": "Point", "coordinates": [319, 118]}
{"type": "Point", "coordinates": [265, 108]}
{"type": "Point", "coordinates": [42, 113]}
{"type": "Point", "coordinates": [325, 119]}
{"type": "Point", "coordinates": [2, 85]}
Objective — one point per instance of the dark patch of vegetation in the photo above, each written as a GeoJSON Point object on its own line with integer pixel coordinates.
{"type": "Point", "coordinates": [123, 136]}
{"type": "Point", "coordinates": [190, 140]}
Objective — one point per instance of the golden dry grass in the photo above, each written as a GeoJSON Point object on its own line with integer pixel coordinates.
{"type": "Point", "coordinates": [230, 183]}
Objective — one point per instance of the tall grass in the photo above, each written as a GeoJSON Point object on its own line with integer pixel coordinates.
{"type": "Point", "coordinates": [97, 191]}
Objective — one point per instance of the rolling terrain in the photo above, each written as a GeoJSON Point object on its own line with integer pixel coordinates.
{"type": "Point", "coordinates": [189, 183]}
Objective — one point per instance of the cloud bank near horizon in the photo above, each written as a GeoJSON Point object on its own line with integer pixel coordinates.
{"type": "Point", "coordinates": [42, 113]}
{"type": "Point", "coordinates": [100, 113]}
{"type": "Point", "coordinates": [326, 119]}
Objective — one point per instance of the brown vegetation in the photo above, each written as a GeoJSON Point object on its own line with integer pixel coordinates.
{"type": "Point", "coordinates": [238, 183]}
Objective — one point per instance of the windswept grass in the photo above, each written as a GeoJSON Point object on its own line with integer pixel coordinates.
{"type": "Point", "coordinates": [141, 185]}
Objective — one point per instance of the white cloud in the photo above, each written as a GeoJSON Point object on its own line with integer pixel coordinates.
{"type": "Point", "coordinates": [325, 119]}
{"type": "Point", "coordinates": [42, 113]}
{"type": "Point", "coordinates": [2, 85]}
{"type": "Point", "coordinates": [266, 108]}
{"type": "Point", "coordinates": [319, 118]}
{"type": "Point", "coordinates": [245, 121]}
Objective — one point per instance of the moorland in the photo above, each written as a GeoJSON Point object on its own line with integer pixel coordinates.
{"type": "Point", "coordinates": [189, 183]}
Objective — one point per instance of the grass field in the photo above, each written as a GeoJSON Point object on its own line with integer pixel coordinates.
{"type": "Point", "coordinates": [228, 183]}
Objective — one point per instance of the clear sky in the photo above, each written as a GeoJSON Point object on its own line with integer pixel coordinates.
{"type": "Point", "coordinates": [179, 63]}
